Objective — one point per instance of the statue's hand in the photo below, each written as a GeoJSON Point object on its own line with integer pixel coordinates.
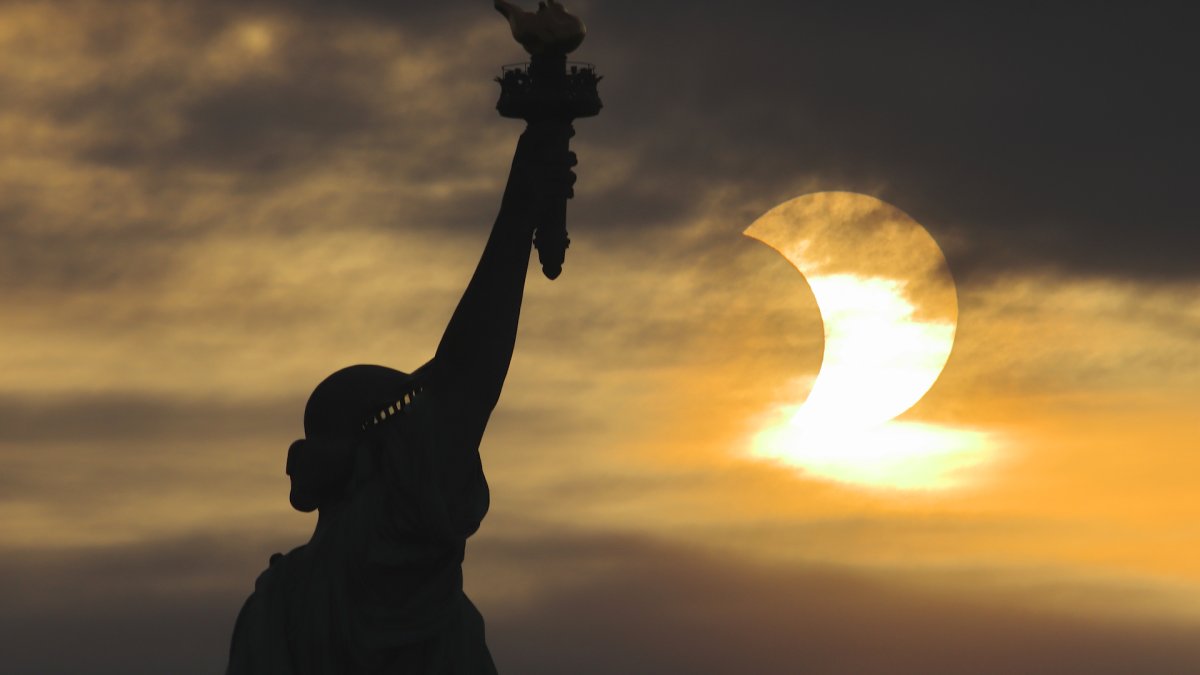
{"type": "Point", "coordinates": [541, 174]}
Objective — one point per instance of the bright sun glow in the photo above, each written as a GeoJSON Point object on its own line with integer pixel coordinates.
{"type": "Point", "coordinates": [890, 313]}
{"type": "Point", "coordinates": [900, 455]}
{"type": "Point", "coordinates": [878, 362]}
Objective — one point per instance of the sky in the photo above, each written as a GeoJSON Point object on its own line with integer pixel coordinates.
{"type": "Point", "coordinates": [207, 207]}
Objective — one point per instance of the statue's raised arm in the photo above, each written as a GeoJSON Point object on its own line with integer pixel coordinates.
{"type": "Point", "coordinates": [473, 357]}
{"type": "Point", "coordinates": [390, 460]}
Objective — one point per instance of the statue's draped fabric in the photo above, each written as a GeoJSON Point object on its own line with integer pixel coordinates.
{"type": "Point", "coordinates": [380, 588]}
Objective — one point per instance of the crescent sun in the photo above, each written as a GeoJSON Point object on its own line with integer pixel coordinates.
{"type": "Point", "coordinates": [889, 308]}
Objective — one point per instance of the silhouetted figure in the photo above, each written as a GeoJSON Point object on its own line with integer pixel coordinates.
{"type": "Point", "coordinates": [391, 463]}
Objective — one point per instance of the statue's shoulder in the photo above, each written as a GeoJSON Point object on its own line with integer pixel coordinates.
{"type": "Point", "coordinates": [280, 567]}
{"type": "Point", "coordinates": [259, 634]}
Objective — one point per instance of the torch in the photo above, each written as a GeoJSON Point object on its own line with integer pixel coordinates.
{"type": "Point", "coordinates": [550, 92]}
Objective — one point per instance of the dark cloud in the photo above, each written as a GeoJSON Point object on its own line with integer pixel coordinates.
{"type": "Point", "coordinates": [127, 256]}
{"type": "Point", "coordinates": [658, 609]}
{"type": "Point", "coordinates": [256, 125]}
{"type": "Point", "coordinates": [353, 93]}
{"type": "Point", "coordinates": [138, 416]}
{"type": "Point", "coordinates": [1044, 137]}
{"type": "Point", "coordinates": [258, 128]}
{"type": "Point", "coordinates": [121, 416]}
{"type": "Point", "coordinates": [77, 459]}
{"type": "Point", "coordinates": [600, 604]}
{"type": "Point", "coordinates": [1023, 138]}
{"type": "Point", "coordinates": [166, 607]}
{"type": "Point", "coordinates": [449, 15]}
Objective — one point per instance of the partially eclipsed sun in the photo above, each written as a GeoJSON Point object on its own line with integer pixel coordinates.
{"type": "Point", "coordinates": [890, 311]}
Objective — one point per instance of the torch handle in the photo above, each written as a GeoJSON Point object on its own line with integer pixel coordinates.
{"type": "Point", "coordinates": [556, 187]}
{"type": "Point", "coordinates": [550, 95]}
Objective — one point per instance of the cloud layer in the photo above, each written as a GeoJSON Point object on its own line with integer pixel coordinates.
{"type": "Point", "coordinates": [207, 207]}
{"type": "Point", "coordinates": [581, 603]}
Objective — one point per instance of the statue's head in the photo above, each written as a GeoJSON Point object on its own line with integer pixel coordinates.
{"type": "Point", "coordinates": [322, 464]}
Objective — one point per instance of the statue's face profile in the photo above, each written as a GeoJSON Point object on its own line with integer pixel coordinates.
{"type": "Point", "coordinates": [319, 470]}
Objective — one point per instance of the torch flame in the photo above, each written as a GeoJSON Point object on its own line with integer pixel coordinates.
{"type": "Point", "coordinates": [549, 30]}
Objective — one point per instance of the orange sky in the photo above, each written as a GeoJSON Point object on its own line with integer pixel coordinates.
{"type": "Point", "coordinates": [206, 208]}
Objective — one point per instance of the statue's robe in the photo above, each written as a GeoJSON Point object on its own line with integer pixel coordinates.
{"type": "Point", "coordinates": [379, 588]}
